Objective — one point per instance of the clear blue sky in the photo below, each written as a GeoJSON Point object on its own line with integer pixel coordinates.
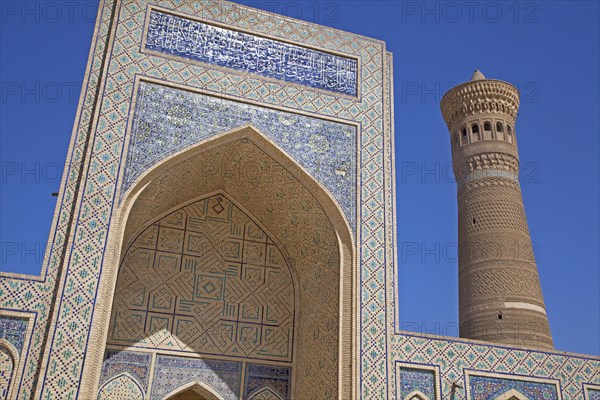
{"type": "Point", "coordinates": [549, 49]}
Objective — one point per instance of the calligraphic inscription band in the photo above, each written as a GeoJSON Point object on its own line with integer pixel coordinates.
{"type": "Point", "coordinates": [198, 41]}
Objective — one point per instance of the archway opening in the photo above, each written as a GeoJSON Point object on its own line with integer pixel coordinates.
{"type": "Point", "coordinates": [296, 223]}
{"type": "Point", "coordinates": [188, 395]}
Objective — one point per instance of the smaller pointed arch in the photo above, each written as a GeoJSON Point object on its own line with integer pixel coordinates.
{"type": "Point", "coordinates": [265, 393]}
{"type": "Point", "coordinates": [122, 386]}
{"type": "Point", "coordinates": [416, 395]}
{"type": "Point", "coordinates": [203, 391]}
{"type": "Point", "coordinates": [9, 359]}
{"type": "Point", "coordinates": [512, 394]}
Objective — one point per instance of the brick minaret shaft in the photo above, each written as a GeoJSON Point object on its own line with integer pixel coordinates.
{"type": "Point", "coordinates": [500, 298]}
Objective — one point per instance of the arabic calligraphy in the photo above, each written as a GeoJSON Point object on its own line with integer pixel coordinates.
{"type": "Point", "coordinates": [241, 51]}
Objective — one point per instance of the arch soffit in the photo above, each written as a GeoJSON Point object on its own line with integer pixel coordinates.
{"type": "Point", "coordinates": [278, 244]}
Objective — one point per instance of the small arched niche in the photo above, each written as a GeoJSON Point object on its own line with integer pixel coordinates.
{"type": "Point", "coordinates": [121, 387]}
{"type": "Point", "coordinates": [512, 394]}
{"type": "Point", "coordinates": [7, 369]}
{"type": "Point", "coordinates": [194, 391]}
{"type": "Point", "coordinates": [416, 395]}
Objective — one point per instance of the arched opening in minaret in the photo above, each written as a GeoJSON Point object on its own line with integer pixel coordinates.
{"type": "Point", "coordinates": [487, 130]}
{"type": "Point", "coordinates": [475, 131]}
{"type": "Point", "coordinates": [233, 262]}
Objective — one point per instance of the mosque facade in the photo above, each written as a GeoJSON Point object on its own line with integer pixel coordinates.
{"type": "Point", "coordinates": [225, 228]}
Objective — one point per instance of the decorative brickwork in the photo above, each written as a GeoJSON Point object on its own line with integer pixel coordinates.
{"type": "Point", "coordinates": [500, 295]}
{"type": "Point", "coordinates": [7, 367]}
{"type": "Point", "coordinates": [205, 279]}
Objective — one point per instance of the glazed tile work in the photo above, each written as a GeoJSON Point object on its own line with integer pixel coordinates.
{"type": "Point", "coordinates": [414, 380]}
{"type": "Point", "coordinates": [121, 387]}
{"type": "Point", "coordinates": [7, 366]}
{"type": "Point", "coordinates": [483, 388]}
{"type": "Point", "coordinates": [135, 364]}
{"type": "Point", "coordinates": [172, 372]}
{"type": "Point", "coordinates": [460, 358]}
{"type": "Point", "coordinates": [119, 174]}
{"type": "Point", "coordinates": [262, 379]}
{"type": "Point", "coordinates": [593, 394]}
{"type": "Point", "coordinates": [13, 331]}
{"type": "Point", "coordinates": [324, 148]}
{"type": "Point", "coordinates": [249, 53]}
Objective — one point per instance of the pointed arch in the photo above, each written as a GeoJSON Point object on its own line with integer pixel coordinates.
{"type": "Point", "coordinates": [253, 134]}
{"type": "Point", "coordinates": [121, 387]}
{"type": "Point", "coordinates": [416, 395]}
{"type": "Point", "coordinates": [265, 393]}
{"type": "Point", "coordinates": [221, 164]}
{"type": "Point", "coordinates": [9, 360]}
{"type": "Point", "coordinates": [512, 394]}
{"type": "Point", "coordinates": [197, 387]}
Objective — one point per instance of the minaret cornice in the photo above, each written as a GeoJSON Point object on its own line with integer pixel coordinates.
{"type": "Point", "coordinates": [480, 97]}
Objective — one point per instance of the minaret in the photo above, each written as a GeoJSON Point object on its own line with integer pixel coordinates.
{"type": "Point", "coordinates": [500, 298]}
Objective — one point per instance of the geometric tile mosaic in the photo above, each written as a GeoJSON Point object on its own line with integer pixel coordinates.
{"type": "Point", "coordinates": [7, 366]}
{"type": "Point", "coordinates": [492, 368]}
{"type": "Point", "coordinates": [13, 330]}
{"type": "Point", "coordinates": [260, 378]}
{"type": "Point", "coordinates": [412, 379]}
{"type": "Point", "coordinates": [121, 387]}
{"type": "Point", "coordinates": [249, 53]}
{"type": "Point", "coordinates": [167, 120]}
{"type": "Point", "coordinates": [490, 388]}
{"type": "Point", "coordinates": [136, 364]}
{"type": "Point", "coordinates": [205, 279]}
{"type": "Point", "coordinates": [170, 373]}
{"type": "Point", "coordinates": [593, 394]}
